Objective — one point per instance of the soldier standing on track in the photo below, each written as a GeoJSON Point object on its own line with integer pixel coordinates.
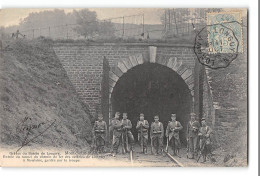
{"type": "Point", "coordinates": [116, 128]}
{"type": "Point", "coordinates": [117, 114]}
{"type": "Point", "coordinates": [142, 128]}
{"type": "Point", "coordinates": [126, 131]}
{"type": "Point", "coordinates": [156, 134]}
{"type": "Point", "coordinates": [100, 132]}
{"type": "Point", "coordinates": [172, 133]}
{"type": "Point", "coordinates": [192, 136]}
{"type": "Point", "coordinates": [205, 140]}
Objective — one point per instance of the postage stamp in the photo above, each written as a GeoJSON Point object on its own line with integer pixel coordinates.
{"type": "Point", "coordinates": [216, 46]}
{"type": "Point", "coordinates": [223, 29]}
{"type": "Point", "coordinates": [220, 41]}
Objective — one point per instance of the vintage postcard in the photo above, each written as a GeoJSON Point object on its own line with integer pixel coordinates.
{"type": "Point", "coordinates": [124, 87]}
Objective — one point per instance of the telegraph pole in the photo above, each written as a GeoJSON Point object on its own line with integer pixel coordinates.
{"type": "Point", "coordinates": [165, 19]}
{"type": "Point", "coordinates": [175, 22]}
{"type": "Point", "coordinates": [169, 11]}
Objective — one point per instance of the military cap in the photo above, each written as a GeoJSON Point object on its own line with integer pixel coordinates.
{"type": "Point", "coordinates": [192, 114]}
{"type": "Point", "coordinates": [141, 114]}
{"type": "Point", "coordinates": [125, 113]}
{"type": "Point", "coordinates": [203, 119]}
{"type": "Point", "coordinates": [173, 114]}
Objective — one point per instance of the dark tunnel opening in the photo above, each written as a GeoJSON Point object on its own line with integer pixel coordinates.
{"type": "Point", "coordinates": [152, 89]}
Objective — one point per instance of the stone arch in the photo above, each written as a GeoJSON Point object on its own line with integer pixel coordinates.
{"type": "Point", "coordinates": [175, 64]}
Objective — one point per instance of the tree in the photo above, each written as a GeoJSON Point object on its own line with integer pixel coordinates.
{"type": "Point", "coordinates": [90, 27]}
{"type": "Point", "coordinates": [106, 29]}
{"type": "Point", "coordinates": [174, 21]}
{"type": "Point", "coordinates": [87, 23]}
{"type": "Point", "coordinates": [178, 21]}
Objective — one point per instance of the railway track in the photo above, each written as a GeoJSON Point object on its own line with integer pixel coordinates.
{"type": "Point", "coordinates": [174, 159]}
{"type": "Point", "coordinates": [138, 159]}
{"type": "Point", "coordinates": [166, 159]}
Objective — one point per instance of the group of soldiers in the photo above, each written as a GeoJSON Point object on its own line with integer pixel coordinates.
{"type": "Point", "coordinates": [198, 136]}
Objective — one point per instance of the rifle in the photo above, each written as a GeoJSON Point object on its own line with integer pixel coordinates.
{"type": "Point", "coordinates": [142, 139]}
{"type": "Point", "coordinates": [94, 145]}
{"type": "Point", "coordinates": [126, 138]}
{"type": "Point", "coordinates": [201, 149]}
{"type": "Point", "coordinates": [123, 143]}
{"type": "Point", "coordinates": [167, 145]}
{"type": "Point", "coordinates": [188, 149]}
{"type": "Point", "coordinates": [151, 145]}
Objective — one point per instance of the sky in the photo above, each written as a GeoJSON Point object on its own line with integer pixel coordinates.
{"type": "Point", "coordinates": [9, 17]}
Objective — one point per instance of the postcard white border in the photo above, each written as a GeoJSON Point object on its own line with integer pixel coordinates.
{"type": "Point", "coordinates": [251, 170]}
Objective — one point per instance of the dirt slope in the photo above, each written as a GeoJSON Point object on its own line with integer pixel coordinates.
{"type": "Point", "coordinates": [36, 96]}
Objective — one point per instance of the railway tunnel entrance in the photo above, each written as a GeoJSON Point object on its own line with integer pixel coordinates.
{"type": "Point", "coordinates": [151, 88]}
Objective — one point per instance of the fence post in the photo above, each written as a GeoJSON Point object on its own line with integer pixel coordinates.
{"type": "Point", "coordinates": [33, 33]}
{"type": "Point", "coordinates": [67, 31]}
{"type": "Point", "coordinates": [143, 25]}
{"type": "Point", "coordinates": [175, 22]}
{"type": "Point", "coordinates": [169, 11]}
{"type": "Point", "coordinates": [49, 31]}
{"type": "Point", "coordinates": [188, 28]}
{"type": "Point", "coordinates": [123, 26]}
{"type": "Point", "coordinates": [165, 22]}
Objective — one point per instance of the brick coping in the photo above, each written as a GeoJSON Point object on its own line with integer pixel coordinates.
{"type": "Point", "coordinates": [121, 44]}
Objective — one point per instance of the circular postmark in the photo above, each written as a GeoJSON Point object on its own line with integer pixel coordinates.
{"type": "Point", "coordinates": [216, 46]}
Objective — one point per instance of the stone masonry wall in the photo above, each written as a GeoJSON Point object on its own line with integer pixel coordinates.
{"type": "Point", "coordinates": [84, 63]}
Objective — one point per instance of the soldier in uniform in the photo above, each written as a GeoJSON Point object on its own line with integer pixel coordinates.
{"type": "Point", "coordinates": [143, 125]}
{"type": "Point", "coordinates": [172, 133]}
{"type": "Point", "coordinates": [205, 140]}
{"type": "Point", "coordinates": [116, 128]}
{"type": "Point", "coordinates": [156, 135]}
{"type": "Point", "coordinates": [126, 132]}
{"type": "Point", "coordinates": [116, 117]}
{"type": "Point", "coordinates": [192, 136]}
{"type": "Point", "coordinates": [100, 132]}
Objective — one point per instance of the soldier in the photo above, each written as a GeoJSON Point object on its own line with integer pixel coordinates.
{"type": "Point", "coordinates": [205, 140]}
{"type": "Point", "coordinates": [100, 132]}
{"type": "Point", "coordinates": [116, 127]}
{"type": "Point", "coordinates": [172, 133]}
{"type": "Point", "coordinates": [117, 114]}
{"type": "Point", "coordinates": [142, 128]}
{"type": "Point", "coordinates": [126, 132]}
{"type": "Point", "coordinates": [192, 136]}
{"type": "Point", "coordinates": [16, 35]}
{"type": "Point", "coordinates": [156, 135]}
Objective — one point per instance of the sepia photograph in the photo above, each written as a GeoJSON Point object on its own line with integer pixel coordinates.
{"type": "Point", "coordinates": [124, 87]}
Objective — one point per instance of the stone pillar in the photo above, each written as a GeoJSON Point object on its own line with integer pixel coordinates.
{"type": "Point", "coordinates": [105, 91]}
{"type": "Point", "coordinates": [198, 89]}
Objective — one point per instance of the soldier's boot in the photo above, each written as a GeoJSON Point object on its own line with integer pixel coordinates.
{"type": "Point", "coordinates": [195, 155]}
{"type": "Point", "coordinates": [114, 152]}
{"type": "Point", "coordinates": [102, 149]}
{"type": "Point", "coordinates": [132, 147]}
{"type": "Point", "coordinates": [173, 152]}
{"type": "Point", "coordinates": [160, 151]}
{"type": "Point", "coordinates": [192, 156]}
{"type": "Point", "coordinates": [204, 159]}
{"type": "Point", "coordinates": [145, 150]}
{"type": "Point", "coordinates": [178, 153]}
{"type": "Point", "coordinates": [98, 149]}
{"type": "Point", "coordinates": [156, 152]}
